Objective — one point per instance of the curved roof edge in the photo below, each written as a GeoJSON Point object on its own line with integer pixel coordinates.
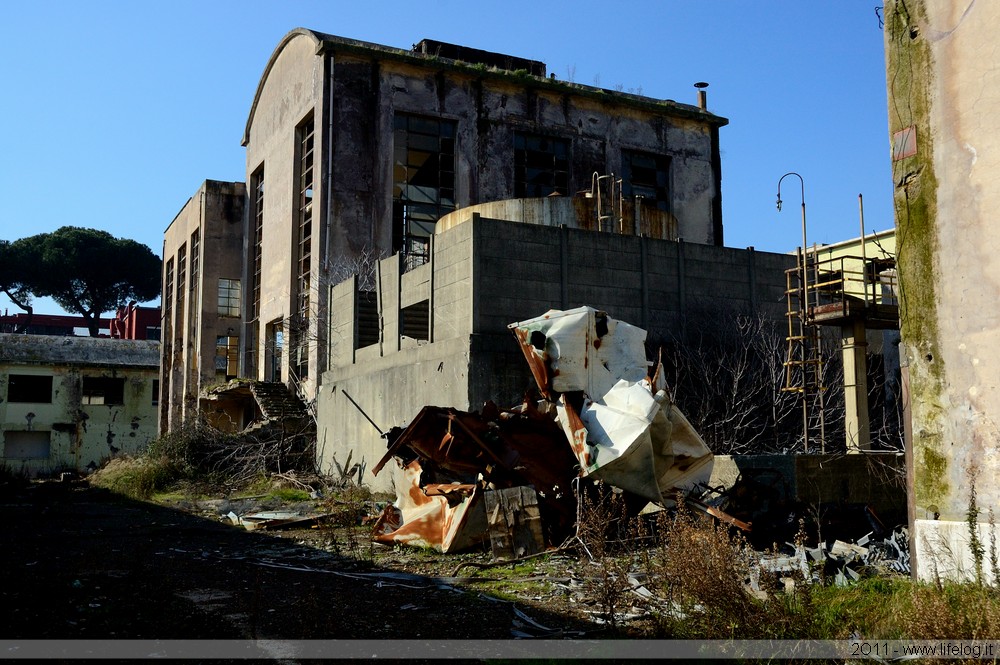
{"type": "Point", "coordinates": [267, 70]}
{"type": "Point", "coordinates": [326, 42]}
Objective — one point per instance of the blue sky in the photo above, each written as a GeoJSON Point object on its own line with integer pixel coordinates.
{"type": "Point", "coordinates": [115, 112]}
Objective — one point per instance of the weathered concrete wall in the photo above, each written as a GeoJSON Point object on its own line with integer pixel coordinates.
{"type": "Point", "coordinates": [291, 90]}
{"type": "Point", "coordinates": [874, 479]}
{"type": "Point", "coordinates": [486, 274]}
{"type": "Point", "coordinates": [527, 269]}
{"type": "Point", "coordinates": [214, 215]}
{"type": "Point", "coordinates": [78, 435]}
{"type": "Point", "coordinates": [942, 76]}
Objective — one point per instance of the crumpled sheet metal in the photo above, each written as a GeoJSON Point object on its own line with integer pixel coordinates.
{"type": "Point", "coordinates": [447, 521]}
{"type": "Point", "coordinates": [602, 417]}
{"type": "Point", "coordinates": [450, 456]}
{"type": "Point", "coordinates": [581, 349]}
{"type": "Point", "coordinates": [621, 431]}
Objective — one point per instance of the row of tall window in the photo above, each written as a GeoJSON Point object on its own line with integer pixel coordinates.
{"type": "Point", "coordinates": [305, 176]}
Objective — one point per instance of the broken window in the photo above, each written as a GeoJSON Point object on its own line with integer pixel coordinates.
{"type": "Point", "coordinates": [647, 176]}
{"type": "Point", "coordinates": [541, 165]}
{"type": "Point", "coordinates": [168, 293]}
{"type": "Point", "coordinates": [29, 388]}
{"type": "Point", "coordinates": [229, 297]}
{"type": "Point", "coordinates": [103, 390]}
{"type": "Point", "coordinates": [274, 348]}
{"type": "Point", "coordinates": [423, 182]}
{"type": "Point", "coordinates": [26, 445]}
{"type": "Point", "coordinates": [195, 256]}
{"type": "Point", "coordinates": [256, 245]}
{"type": "Point", "coordinates": [228, 347]}
{"type": "Point", "coordinates": [415, 321]}
{"type": "Point", "coordinates": [305, 134]}
{"type": "Point", "coordinates": [181, 285]}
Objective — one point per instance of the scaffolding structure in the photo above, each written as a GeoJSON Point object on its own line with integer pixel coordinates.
{"type": "Point", "coordinates": [852, 293]}
{"type": "Point", "coordinates": [804, 360]}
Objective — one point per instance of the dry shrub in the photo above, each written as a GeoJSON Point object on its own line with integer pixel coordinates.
{"type": "Point", "coordinates": [607, 532]}
{"type": "Point", "coordinates": [952, 610]}
{"type": "Point", "coordinates": [235, 460]}
{"type": "Point", "coordinates": [706, 569]}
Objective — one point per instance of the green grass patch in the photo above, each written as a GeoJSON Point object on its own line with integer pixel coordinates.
{"type": "Point", "coordinates": [137, 477]}
{"type": "Point", "coordinates": [289, 495]}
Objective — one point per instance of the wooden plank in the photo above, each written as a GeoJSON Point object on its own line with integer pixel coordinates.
{"type": "Point", "coordinates": [514, 522]}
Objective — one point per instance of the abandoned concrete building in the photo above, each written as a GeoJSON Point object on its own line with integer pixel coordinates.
{"type": "Point", "coordinates": [70, 403]}
{"type": "Point", "coordinates": [354, 150]}
{"type": "Point", "coordinates": [202, 298]}
{"type": "Point", "coordinates": [404, 206]}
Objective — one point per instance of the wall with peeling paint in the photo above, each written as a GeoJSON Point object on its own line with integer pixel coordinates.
{"type": "Point", "coordinates": [485, 274]}
{"type": "Point", "coordinates": [353, 89]}
{"type": "Point", "coordinates": [79, 435]}
{"type": "Point", "coordinates": [943, 81]}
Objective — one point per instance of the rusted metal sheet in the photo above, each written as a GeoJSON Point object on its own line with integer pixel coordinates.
{"type": "Point", "coordinates": [450, 457]}
{"type": "Point", "coordinates": [581, 349]}
{"type": "Point", "coordinates": [621, 425]}
{"type": "Point", "coordinates": [423, 520]}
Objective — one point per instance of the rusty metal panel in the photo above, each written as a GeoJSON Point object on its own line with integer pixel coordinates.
{"type": "Point", "coordinates": [581, 349]}
{"type": "Point", "coordinates": [602, 417]}
{"type": "Point", "coordinates": [619, 430]}
{"type": "Point", "coordinates": [431, 521]}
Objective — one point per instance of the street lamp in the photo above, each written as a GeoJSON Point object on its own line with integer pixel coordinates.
{"type": "Point", "coordinates": [802, 186]}
{"type": "Point", "coordinates": [804, 314]}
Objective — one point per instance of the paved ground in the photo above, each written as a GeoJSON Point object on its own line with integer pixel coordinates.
{"type": "Point", "coordinates": [81, 563]}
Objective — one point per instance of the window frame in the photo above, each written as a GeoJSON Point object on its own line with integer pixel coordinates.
{"type": "Point", "coordinates": [532, 159]}
{"type": "Point", "coordinates": [424, 149]}
{"type": "Point", "coordinates": [34, 391]}
{"type": "Point", "coordinates": [102, 391]}
{"type": "Point", "coordinates": [230, 297]}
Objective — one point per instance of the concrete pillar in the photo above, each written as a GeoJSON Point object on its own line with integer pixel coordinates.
{"type": "Point", "coordinates": [854, 349]}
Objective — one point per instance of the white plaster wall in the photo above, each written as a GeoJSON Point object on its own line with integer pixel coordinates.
{"type": "Point", "coordinates": [944, 550]}
{"type": "Point", "coordinates": [80, 434]}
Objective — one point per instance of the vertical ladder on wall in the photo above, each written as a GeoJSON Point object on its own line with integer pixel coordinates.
{"type": "Point", "coordinates": [804, 355]}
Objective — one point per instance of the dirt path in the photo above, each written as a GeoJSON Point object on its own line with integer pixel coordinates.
{"type": "Point", "coordinates": [81, 563]}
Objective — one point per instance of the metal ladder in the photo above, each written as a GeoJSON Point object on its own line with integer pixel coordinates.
{"type": "Point", "coordinates": [804, 361]}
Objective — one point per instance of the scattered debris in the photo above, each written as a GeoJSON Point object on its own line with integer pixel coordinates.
{"type": "Point", "coordinates": [280, 519]}
{"type": "Point", "coordinates": [601, 417]}
{"type": "Point", "coordinates": [848, 561]}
